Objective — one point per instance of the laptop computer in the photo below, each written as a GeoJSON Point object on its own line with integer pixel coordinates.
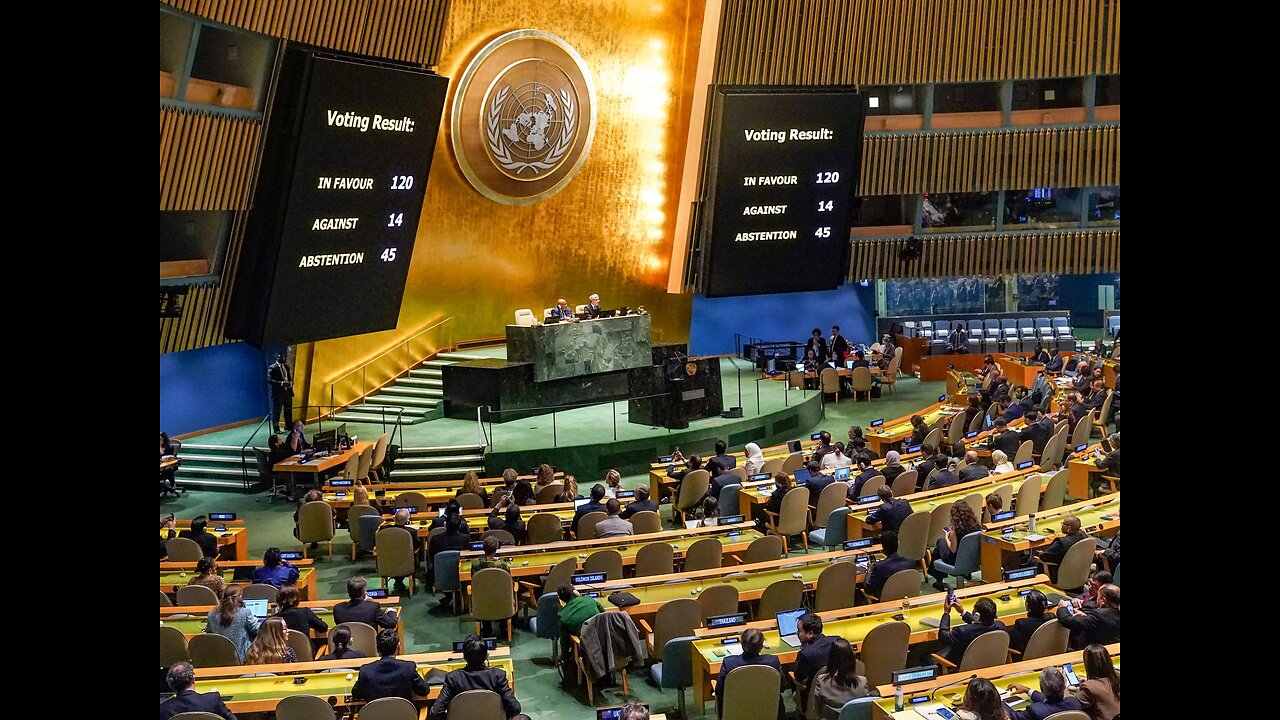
{"type": "Point", "coordinates": [842, 474]}
{"type": "Point", "coordinates": [788, 621]}
{"type": "Point", "coordinates": [802, 476]}
{"type": "Point", "coordinates": [258, 607]}
{"type": "Point", "coordinates": [579, 503]}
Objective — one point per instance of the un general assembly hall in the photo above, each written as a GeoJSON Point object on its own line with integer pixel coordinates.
{"type": "Point", "coordinates": [639, 359]}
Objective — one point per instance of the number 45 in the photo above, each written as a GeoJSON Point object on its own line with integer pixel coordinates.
{"type": "Point", "coordinates": [389, 255]}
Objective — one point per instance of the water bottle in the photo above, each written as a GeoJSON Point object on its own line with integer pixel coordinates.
{"type": "Point", "coordinates": [897, 698]}
{"type": "Point", "coordinates": [1031, 524]}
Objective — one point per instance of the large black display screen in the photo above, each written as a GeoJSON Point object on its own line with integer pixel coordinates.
{"type": "Point", "coordinates": [336, 213]}
{"type": "Point", "coordinates": [785, 171]}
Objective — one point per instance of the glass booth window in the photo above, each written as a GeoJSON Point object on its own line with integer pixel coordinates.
{"type": "Point", "coordinates": [1106, 90]}
{"type": "Point", "coordinates": [1104, 206]}
{"type": "Point", "coordinates": [884, 210]}
{"type": "Point", "coordinates": [895, 99]}
{"type": "Point", "coordinates": [1042, 207]}
{"type": "Point", "coordinates": [1047, 94]}
{"type": "Point", "coordinates": [959, 212]}
{"type": "Point", "coordinates": [1037, 292]}
{"type": "Point", "coordinates": [966, 97]}
{"type": "Point", "coordinates": [930, 296]}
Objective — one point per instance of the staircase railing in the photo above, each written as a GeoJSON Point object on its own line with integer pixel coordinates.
{"type": "Point", "coordinates": [356, 384]}
{"type": "Point", "coordinates": [391, 416]}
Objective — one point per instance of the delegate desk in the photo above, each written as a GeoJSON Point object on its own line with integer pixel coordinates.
{"type": "Point", "coordinates": [318, 464]}
{"type": "Point", "coordinates": [919, 698]}
{"type": "Point", "coordinates": [930, 499]}
{"type": "Point", "coordinates": [882, 438]}
{"type": "Point", "coordinates": [533, 560]}
{"type": "Point", "coordinates": [233, 533]}
{"type": "Point", "coordinates": [176, 574]}
{"type": "Point", "coordinates": [570, 349]}
{"type": "Point", "coordinates": [477, 519]}
{"type": "Point", "coordinates": [1081, 469]}
{"type": "Point", "coordinates": [1099, 517]}
{"type": "Point", "coordinates": [751, 580]}
{"type": "Point", "coordinates": [341, 498]}
{"type": "Point", "coordinates": [262, 694]}
{"type": "Point", "coordinates": [195, 624]}
{"type": "Point", "coordinates": [854, 623]}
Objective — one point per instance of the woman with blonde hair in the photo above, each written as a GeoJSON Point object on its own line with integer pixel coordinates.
{"type": "Point", "coordinates": [272, 644]}
{"type": "Point", "coordinates": [570, 492]}
{"type": "Point", "coordinates": [1001, 461]}
{"type": "Point", "coordinates": [471, 484]}
{"type": "Point", "coordinates": [612, 483]}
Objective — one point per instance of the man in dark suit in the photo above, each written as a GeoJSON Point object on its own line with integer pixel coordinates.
{"type": "Point", "coordinates": [1024, 628]}
{"type": "Point", "coordinates": [1050, 699]}
{"type": "Point", "coordinates": [891, 513]}
{"type": "Point", "coordinates": [1100, 626]}
{"type": "Point", "coordinates": [1038, 430]}
{"type": "Point", "coordinates": [1057, 550]}
{"type": "Point", "coordinates": [860, 360]}
{"type": "Point", "coordinates": [883, 570]}
{"type": "Point", "coordinates": [208, 542]}
{"type": "Point", "coordinates": [182, 680]}
{"type": "Point", "coordinates": [475, 676]}
{"type": "Point", "coordinates": [592, 308]}
{"type": "Point", "coordinates": [562, 310]}
{"type": "Point", "coordinates": [973, 470]}
{"type": "Point", "coordinates": [838, 345]}
{"type": "Point", "coordinates": [361, 609]}
{"type": "Point", "coordinates": [824, 447]}
{"type": "Point", "coordinates": [946, 477]}
{"type": "Point", "coordinates": [1004, 439]}
{"type": "Point", "coordinates": [281, 381]}
{"type": "Point", "coordinates": [1111, 461]}
{"type": "Point", "coordinates": [640, 504]}
{"type": "Point", "coordinates": [958, 341]}
{"type": "Point", "coordinates": [981, 621]}
{"type": "Point", "coordinates": [389, 676]}
{"type": "Point", "coordinates": [596, 505]}
{"type": "Point", "coordinates": [928, 463]}
{"type": "Point", "coordinates": [812, 656]}
{"type": "Point", "coordinates": [818, 480]}
{"type": "Point", "coordinates": [752, 644]}
{"type": "Point", "coordinates": [865, 473]}
{"type": "Point", "coordinates": [722, 461]}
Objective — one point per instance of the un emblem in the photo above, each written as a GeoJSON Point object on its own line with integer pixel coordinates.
{"type": "Point", "coordinates": [523, 117]}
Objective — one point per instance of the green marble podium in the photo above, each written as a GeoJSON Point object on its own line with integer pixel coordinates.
{"type": "Point", "coordinates": [565, 350]}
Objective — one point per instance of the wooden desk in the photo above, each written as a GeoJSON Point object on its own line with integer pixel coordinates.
{"type": "Point", "coordinates": [195, 625]}
{"type": "Point", "coordinates": [236, 536]}
{"type": "Point", "coordinates": [262, 694]}
{"type": "Point", "coordinates": [929, 499]}
{"type": "Point", "coordinates": [882, 438]}
{"type": "Point", "coordinates": [751, 580]}
{"type": "Point", "coordinates": [854, 623]}
{"type": "Point", "coordinates": [533, 560]}
{"type": "Point", "coordinates": [477, 519]}
{"type": "Point", "coordinates": [319, 465]}
{"type": "Point", "coordinates": [1101, 518]}
{"type": "Point", "coordinates": [1026, 673]}
{"type": "Point", "coordinates": [1018, 372]}
{"type": "Point", "coordinates": [168, 463]}
{"type": "Point", "coordinates": [176, 574]}
{"type": "Point", "coordinates": [1080, 472]}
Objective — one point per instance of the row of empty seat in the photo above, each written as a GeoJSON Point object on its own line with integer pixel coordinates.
{"type": "Point", "coordinates": [1010, 335]}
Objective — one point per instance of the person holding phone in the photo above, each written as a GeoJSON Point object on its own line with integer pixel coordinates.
{"type": "Point", "coordinates": [979, 622]}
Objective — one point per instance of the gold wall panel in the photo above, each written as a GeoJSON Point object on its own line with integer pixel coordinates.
{"type": "Point", "coordinates": [608, 231]}
{"type": "Point", "coordinates": [407, 30]}
{"type": "Point", "coordinates": [910, 164]}
{"type": "Point", "coordinates": [206, 159]}
{"type": "Point", "coordinates": [830, 42]}
{"type": "Point", "coordinates": [1070, 252]}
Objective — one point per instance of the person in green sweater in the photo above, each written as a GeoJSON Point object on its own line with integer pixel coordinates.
{"type": "Point", "coordinates": [577, 610]}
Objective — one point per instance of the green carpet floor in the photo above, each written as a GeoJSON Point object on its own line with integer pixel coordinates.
{"type": "Point", "coordinates": [430, 628]}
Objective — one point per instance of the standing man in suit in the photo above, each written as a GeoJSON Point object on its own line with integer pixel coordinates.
{"type": "Point", "coordinates": [182, 680]}
{"type": "Point", "coordinates": [838, 345]}
{"type": "Point", "coordinates": [1050, 699]}
{"type": "Point", "coordinates": [1057, 550]}
{"type": "Point", "coordinates": [389, 676]}
{"type": "Point", "coordinates": [475, 676]}
{"type": "Point", "coordinates": [281, 381]}
{"type": "Point", "coordinates": [562, 310]}
{"type": "Point", "coordinates": [891, 512]}
{"type": "Point", "coordinates": [752, 644]}
{"type": "Point", "coordinates": [593, 306]}
{"type": "Point", "coordinates": [979, 622]}
{"type": "Point", "coordinates": [1100, 626]}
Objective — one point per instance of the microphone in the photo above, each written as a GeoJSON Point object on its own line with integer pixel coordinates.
{"type": "Point", "coordinates": [933, 696]}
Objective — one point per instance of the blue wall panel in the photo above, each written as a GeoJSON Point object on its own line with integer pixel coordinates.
{"type": "Point", "coordinates": [213, 386]}
{"type": "Point", "coordinates": [785, 316]}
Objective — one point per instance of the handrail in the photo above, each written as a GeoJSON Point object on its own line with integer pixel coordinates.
{"type": "Point", "coordinates": [447, 347]}
{"type": "Point", "coordinates": [244, 467]}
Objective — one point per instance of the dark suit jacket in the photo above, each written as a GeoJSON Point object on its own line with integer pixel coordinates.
{"type": "Point", "coordinates": [1111, 463]}
{"type": "Point", "coordinates": [1038, 433]}
{"type": "Point", "coordinates": [861, 479]}
{"type": "Point", "coordinates": [775, 500]}
{"type": "Point", "coordinates": [812, 656]}
{"type": "Point", "coordinates": [955, 642]}
{"type": "Point", "coordinates": [891, 473]}
{"type": "Point", "coordinates": [636, 507]}
{"type": "Point", "coordinates": [389, 677]}
{"type": "Point", "coordinates": [883, 570]}
{"type": "Point", "coordinates": [1059, 547]}
{"type": "Point", "coordinates": [944, 478]}
{"type": "Point", "coordinates": [1054, 365]}
{"type": "Point", "coordinates": [483, 678]}
{"type": "Point", "coordinates": [207, 541]}
{"type": "Point", "coordinates": [975, 471]}
{"type": "Point", "coordinates": [924, 468]}
{"type": "Point", "coordinates": [192, 701]}
{"type": "Point", "coordinates": [1101, 626]}
{"type": "Point", "coordinates": [816, 485]}
{"type": "Point", "coordinates": [592, 310]}
{"type": "Point", "coordinates": [1022, 630]}
{"type": "Point", "coordinates": [592, 506]}
{"type": "Point", "coordinates": [302, 619]}
{"type": "Point", "coordinates": [564, 313]}
{"type": "Point", "coordinates": [365, 611]}
{"type": "Point", "coordinates": [819, 347]}
{"type": "Point", "coordinates": [736, 661]}
{"type": "Point", "coordinates": [1007, 442]}
{"type": "Point", "coordinates": [891, 514]}
{"type": "Point", "coordinates": [1041, 708]}
{"type": "Point", "coordinates": [720, 463]}
{"type": "Point", "coordinates": [839, 348]}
